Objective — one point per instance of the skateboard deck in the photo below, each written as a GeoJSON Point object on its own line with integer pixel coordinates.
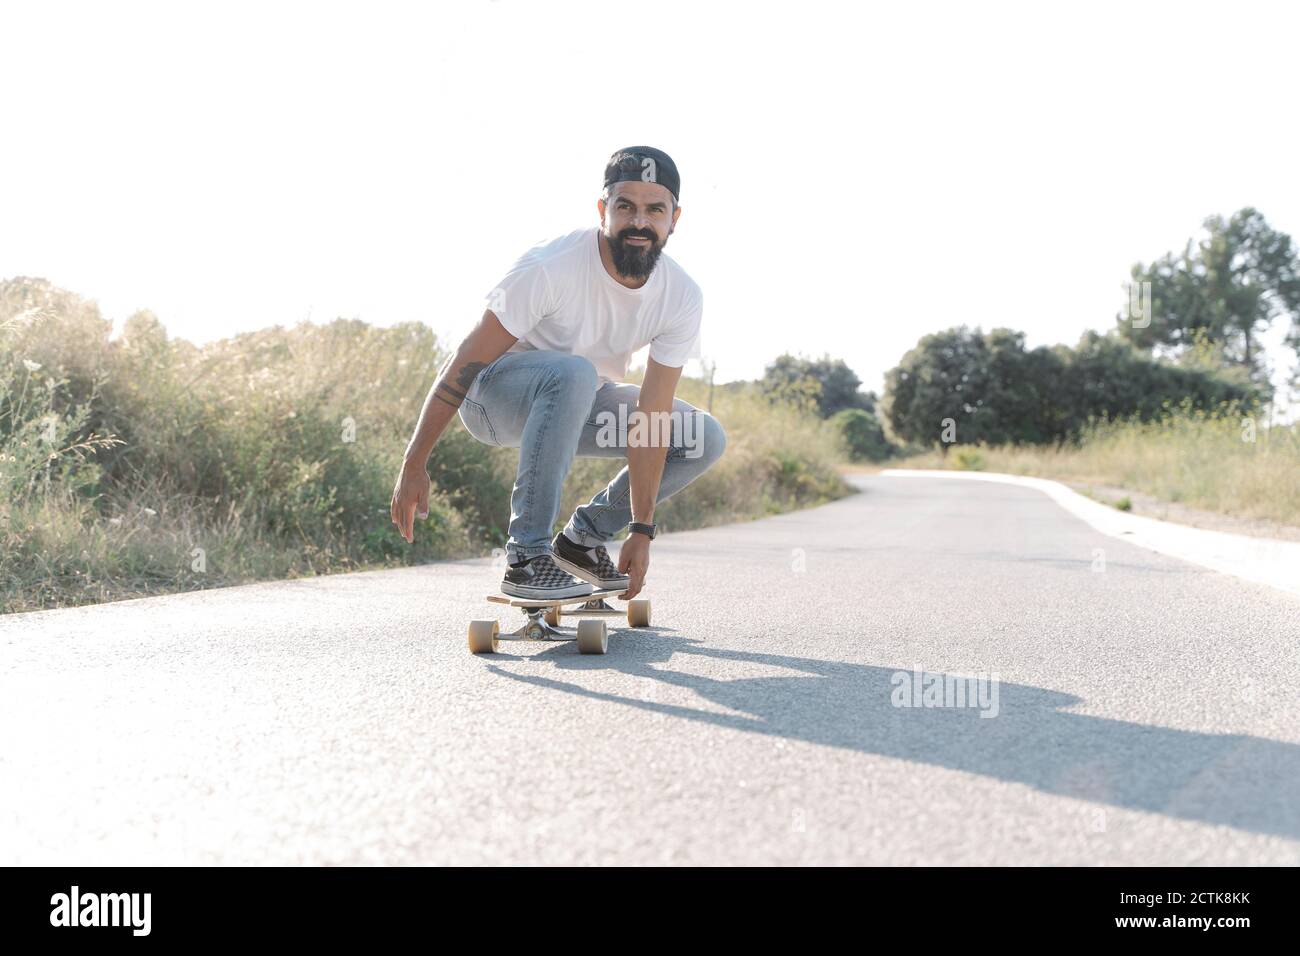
{"type": "Point", "coordinates": [543, 622]}
{"type": "Point", "coordinates": [558, 602]}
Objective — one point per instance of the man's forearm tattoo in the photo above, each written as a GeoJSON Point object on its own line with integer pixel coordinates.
{"type": "Point", "coordinates": [453, 395]}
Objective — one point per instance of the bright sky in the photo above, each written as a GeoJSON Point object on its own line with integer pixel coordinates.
{"type": "Point", "coordinates": [853, 176]}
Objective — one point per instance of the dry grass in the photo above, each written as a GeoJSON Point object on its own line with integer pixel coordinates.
{"type": "Point", "coordinates": [1226, 461]}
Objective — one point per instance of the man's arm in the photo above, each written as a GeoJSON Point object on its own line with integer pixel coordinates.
{"type": "Point", "coordinates": [483, 346]}
{"type": "Point", "coordinates": [645, 465]}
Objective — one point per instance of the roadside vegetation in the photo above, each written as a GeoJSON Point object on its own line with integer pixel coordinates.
{"type": "Point", "coordinates": [1175, 401]}
{"type": "Point", "coordinates": [1225, 459]}
{"type": "Point", "coordinates": [143, 464]}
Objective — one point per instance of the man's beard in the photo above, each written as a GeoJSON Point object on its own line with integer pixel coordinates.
{"type": "Point", "coordinates": [632, 261]}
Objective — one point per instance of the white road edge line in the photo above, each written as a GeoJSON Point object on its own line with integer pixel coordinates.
{"type": "Point", "coordinates": [1260, 560]}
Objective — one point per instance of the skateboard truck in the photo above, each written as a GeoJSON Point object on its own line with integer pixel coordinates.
{"type": "Point", "coordinates": [537, 628]}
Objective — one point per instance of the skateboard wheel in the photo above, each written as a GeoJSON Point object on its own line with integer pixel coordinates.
{"type": "Point", "coordinates": [483, 637]}
{"type": "Point", "coordinates": [552, 615]}
{"type": "Point", "coordinates": [592, 638]}
{"type": "Point", "coordinates": [638, 612]}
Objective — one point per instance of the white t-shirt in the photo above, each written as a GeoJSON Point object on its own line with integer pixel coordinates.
{"type": "Point", "coordinates": [559, 296]}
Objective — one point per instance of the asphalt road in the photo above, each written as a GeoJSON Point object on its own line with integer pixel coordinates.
{"type": "Point", "coordinates": [1144, 711]}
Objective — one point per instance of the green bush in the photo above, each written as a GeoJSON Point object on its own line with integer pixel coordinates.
{"type": "Point", "coordinates": [863, 437]}
{"type": "Point", "coordinates": [995, 391]}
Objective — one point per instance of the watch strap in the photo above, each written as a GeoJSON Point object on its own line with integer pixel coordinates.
{"type": "Point", "coordinates": [637, 527]}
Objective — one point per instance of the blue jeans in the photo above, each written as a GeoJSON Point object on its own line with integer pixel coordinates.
{"type": "Point", "coordinates": [552, 406]}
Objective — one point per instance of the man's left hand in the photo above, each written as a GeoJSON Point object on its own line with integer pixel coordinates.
{"type": "Point", "coordinates": [634, 561]}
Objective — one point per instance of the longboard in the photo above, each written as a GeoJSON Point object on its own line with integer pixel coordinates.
{"type": "Point", "coordinates": [543, 622]}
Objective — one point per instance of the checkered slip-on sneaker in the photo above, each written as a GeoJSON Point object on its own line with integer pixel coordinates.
{"type": "Point", "coordinates": [589, 564]}
{"type": "Point", "coordinates": [540, 578]}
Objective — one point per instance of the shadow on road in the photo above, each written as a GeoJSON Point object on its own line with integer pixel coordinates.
{"type": "Point", "coordinates": [1230, 779]}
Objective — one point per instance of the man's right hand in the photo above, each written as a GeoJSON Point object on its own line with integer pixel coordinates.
{"type": "Point", "coordinates": [410, 494]}
{"type": "Point", "coordinates": [483, 346]}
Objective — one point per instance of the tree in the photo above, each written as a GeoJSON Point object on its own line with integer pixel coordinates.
{"type": "Point", "coordinates": [970, 386]}
{"type": "Point", "coordinates": [1227, 289]}
{"type": "Point", "coordinates": [1104, 375]}
{"type": "Point", "coordinates": [863, 436]}
{"type": "Point", "coordinates": [838, 385]}
{"type": "Point", "coordinates": [962, 386]}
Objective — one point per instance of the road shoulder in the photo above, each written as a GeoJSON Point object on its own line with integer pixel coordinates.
{"type": "Point", "coordinates": [1269, 561]}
